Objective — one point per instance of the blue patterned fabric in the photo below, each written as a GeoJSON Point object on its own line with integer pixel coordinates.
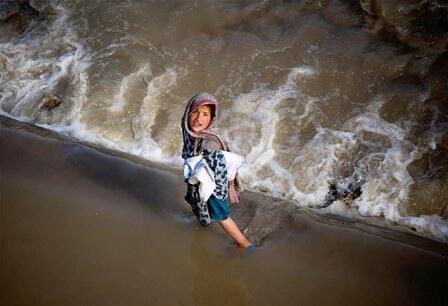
{"type": "Point", "coordinates": [217, 162]}
{"type": "Point", "coordinates": [199, 208]}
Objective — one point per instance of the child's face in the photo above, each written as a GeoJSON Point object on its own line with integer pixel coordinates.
{"type": "Point", "coordinates": [200, 118]}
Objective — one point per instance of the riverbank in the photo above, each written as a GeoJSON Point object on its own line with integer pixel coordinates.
{"type": "Point", "coordinates": [84, 226]}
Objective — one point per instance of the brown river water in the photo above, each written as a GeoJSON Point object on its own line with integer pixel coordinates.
{"type": "Point", "coordinates": [308, 94]}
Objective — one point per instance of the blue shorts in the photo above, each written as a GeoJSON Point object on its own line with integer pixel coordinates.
{"type": "Point", "coordinates": [218, 209]}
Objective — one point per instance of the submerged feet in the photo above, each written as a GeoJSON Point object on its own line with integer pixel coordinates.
{"type": "Point", "coordinates": [251, 247]}
{"type": "Point", "coordinates": [233, 231]}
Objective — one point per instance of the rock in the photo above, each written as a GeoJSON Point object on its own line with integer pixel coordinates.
{"type": "Point", "coordinates": [15, 17]}
{"type": "Point", "coordinates": [8, 9]}
{"type": "Point", "coordinates": [12, 27]}
{"type": "Point", "coordinates": [342, 15]}
{"type": "Point", "coordinates": [444, 212]}
{"type": "Point", "coordinates": [437, 80]}
{"type": "Point", "coordinates": [347, 190]}
{"type": "Point", "coordinates": [418, 24]}
{"type": "Point", "coordinates": [51, 101]}
{"type": "Point", "coordinates": [444, 142]}
{"type": "Point", "coordinates": [39, 5]}
{"type": "Point", "coordinates": [367, 6]}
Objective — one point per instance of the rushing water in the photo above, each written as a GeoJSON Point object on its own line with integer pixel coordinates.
{"type": "Point", "coordinates": [306, 95]}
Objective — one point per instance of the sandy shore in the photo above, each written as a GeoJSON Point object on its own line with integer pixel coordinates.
{"type": "Point", "coordinates": [82, 226]}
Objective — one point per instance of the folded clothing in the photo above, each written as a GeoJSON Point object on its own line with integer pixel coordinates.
{"type": "Point", "coordinates": [197, 170]}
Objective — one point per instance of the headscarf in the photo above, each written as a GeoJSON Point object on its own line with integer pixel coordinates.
{"type": "Point", "coordinates": [210, 133]}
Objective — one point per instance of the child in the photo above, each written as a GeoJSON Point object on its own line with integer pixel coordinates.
{"type": "Point", "coordinates": [202, 137]}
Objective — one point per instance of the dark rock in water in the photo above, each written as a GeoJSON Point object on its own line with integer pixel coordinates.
{"type": "Point", "coordinates": [444, 212]}
{"type": "Point", "coordinates": [15, 17]}
{"type": "Point", "coordinates": [51, 101]}
{"type": "Point", "coordinates": [8, 9]}
{"type": "Point", "coordinates": [29, 8]}
{"type": "Point", "coordinates": [38, 5]}
{"type": "Point", "coordinates": [418, 24]}
{"type": "Point", "coordinates": [347, 190]}
{"type": "Point", "coordinates": [444, 142]}
{"type": "Point", "coordinates": [342, 15]}
{"type": "Point", "coordinates": [14, 26]}
{"type": "Point", "coordinates": [437, 81]}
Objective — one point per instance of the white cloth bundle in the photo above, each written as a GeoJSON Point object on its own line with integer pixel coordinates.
{"type": "Point", "coordinates": [196, 170]}
{"type": "Point", "coordinates": [233, 163]}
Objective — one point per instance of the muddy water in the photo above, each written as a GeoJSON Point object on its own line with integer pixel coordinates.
{"type": "Point", "coordinates": [307, 95]}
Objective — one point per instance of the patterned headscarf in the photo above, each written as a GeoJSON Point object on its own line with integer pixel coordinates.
{"type": "Point", "coordinates": [211, 132]}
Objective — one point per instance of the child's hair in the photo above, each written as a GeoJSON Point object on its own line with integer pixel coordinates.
{"type": "Point", "coordinates": [212, 110]}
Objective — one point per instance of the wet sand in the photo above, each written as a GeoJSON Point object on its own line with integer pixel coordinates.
{"type": "Point", "coordinates": [85, 226]}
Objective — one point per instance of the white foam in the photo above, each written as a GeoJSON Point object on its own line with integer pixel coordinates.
{"type": "Point", "coordinates": [258, 108]}
{"type": "Point", "coordinates": [126, 85]}
{"type": "Point", "coordinates": [142, 125]}
{"type": "Point", "coordinates": [430, 226]}
{"type": "Point", "coordinates": [388, 180]}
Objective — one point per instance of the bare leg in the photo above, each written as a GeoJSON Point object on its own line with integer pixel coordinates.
{"type": "Point", "coordinates": [233, 231]}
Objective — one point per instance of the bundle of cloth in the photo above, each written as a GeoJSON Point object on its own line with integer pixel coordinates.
{"type": "Point", "coordinates": [198, 171]}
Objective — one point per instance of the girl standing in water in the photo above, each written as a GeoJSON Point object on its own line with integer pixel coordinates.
{"type": "Point", "coordinates": [202, 137]}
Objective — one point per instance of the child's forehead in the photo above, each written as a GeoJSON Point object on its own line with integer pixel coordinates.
{"type": "Point", "coordinates": [204, 108]}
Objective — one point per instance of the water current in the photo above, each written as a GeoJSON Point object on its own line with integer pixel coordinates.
{"type": "Point", "coordinates": [306, 94]}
